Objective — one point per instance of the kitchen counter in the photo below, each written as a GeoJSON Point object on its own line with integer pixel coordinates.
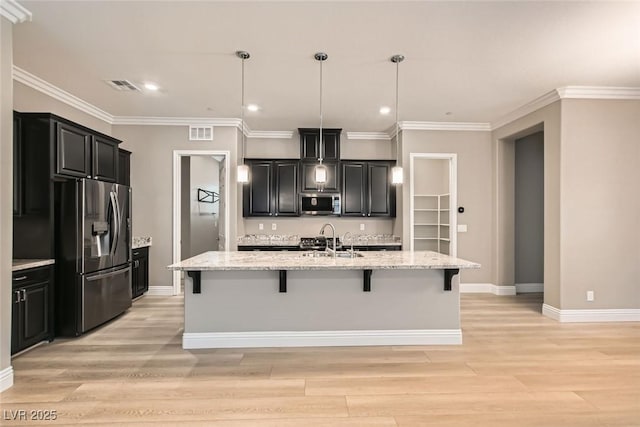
{"type": "Point", "coordinates": [293, 240]}
{"type": "Point", "coordinates": [140, 242]}
{"type": "Point", "coordinates": [287, 299]}
{"type": "Point", "coordinates": [24, 264]}
{"type": "Point", "coordinates": [394, 260]}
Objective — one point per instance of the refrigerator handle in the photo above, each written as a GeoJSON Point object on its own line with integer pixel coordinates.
{"type": "Point", "coordinates": [119, 218]}
{"type": "Point", "coordinates": [114, 208]}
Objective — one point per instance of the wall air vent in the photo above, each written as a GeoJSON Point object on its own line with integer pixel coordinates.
{"type": "Point", "coordinates": [200, 133]}
{"type": "Point", "coordinates": [123, 85]}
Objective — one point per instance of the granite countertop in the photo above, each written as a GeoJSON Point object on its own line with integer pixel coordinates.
{"type": "Point", "coordinates": [395, 260]}
{"type": "Point", "coordinates": [24, 264]}
{"type": "Point", "coordinates": [294, 240]}
{"type": "Point", "coordinates": [140, 242]}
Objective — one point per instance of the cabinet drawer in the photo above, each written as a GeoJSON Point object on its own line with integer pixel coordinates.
{"type": "Point", "coordinates": [30, 276]}
{"type": "Point", "coordinates": [140, 252]}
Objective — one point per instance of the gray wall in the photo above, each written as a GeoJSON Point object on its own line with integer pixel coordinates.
{"type": "Point", "coordinates": [475, 192]}
{"type": "Point", "coordinates": [529, 209]}
{"type": "Point", "coordinates": [6, 189]}
{"type": "Point", "coordinates": [600, 211]}
{"type": "Point", "coordinates": [204, 216]}
{"type": "Point", "coordinates": [152, 182]}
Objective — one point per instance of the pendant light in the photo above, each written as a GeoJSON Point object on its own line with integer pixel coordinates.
{"type": "Point", "coordinates": [397, 174]}
{"type": "Point", "coordinates": [320, 170]}
{"type": "Point", "coordinates": [243, 170]}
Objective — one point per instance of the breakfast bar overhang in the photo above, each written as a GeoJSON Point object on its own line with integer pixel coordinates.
{"type": "Point", "coordinates": [289, 299]}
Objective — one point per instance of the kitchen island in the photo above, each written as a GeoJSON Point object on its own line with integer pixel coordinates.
{"type": "Point", "coordinates": [292, 299]}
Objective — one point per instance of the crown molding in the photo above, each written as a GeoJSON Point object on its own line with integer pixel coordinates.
{"type": "Point", "coordinates": [269, 134]}
{"type": "Point", "coordinates": [599, 92]}
{"type": "Point", "coordinates": [528, 108]}
{"type": "Point", "coordinates": [35, 82]}
{"type": "Point", "coordinates": [452, 126]}
{"type": "Point", "coordinates": [14, 12]}
{"type": "Point", "coordinates": [385, 136]}
{"type": "Point", "coordinates": [175, 121]}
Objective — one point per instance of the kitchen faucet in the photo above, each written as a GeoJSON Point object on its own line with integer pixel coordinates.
{"type": "Point", "coordinates": [333, 236]}
{"type": "Point", "coordinates": [344, 239]}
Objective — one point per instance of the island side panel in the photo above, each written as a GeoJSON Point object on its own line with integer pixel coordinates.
{"type": "Point", "coordinates": [322, 300]}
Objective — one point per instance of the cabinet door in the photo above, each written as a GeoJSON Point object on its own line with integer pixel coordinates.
{"type": "Point", "coordinates": [309, 145]}
{"type": "Point", "coordinates": [124, 167]}
{"type": "Point", "coordinates": [308, 177]}
{"type": "Point", "coordinates": [143, 271]}
{"type": "Point", "coordinates": [331, 144]}
{"type": "Point", "coordinates": [135, 277]}
{"type": "Point", "coordinates": [73, 151]}
{"type": "Point", "coordinates": [16, 325]}
{"type": "Point", "coordinates": [258, 192]}
{"type": "Point", "coordinates": [354, 184]}
{"type": "Point", "coordinates": [17, 165]}
{"type": "Point", "coordinates": [381, 194]}
{"type": "Point", "coordinates": [105, 159]}
{"type": "Point", "coordinates": [35, 314]}
{"type": "Point", "coordinates": [286, 188]}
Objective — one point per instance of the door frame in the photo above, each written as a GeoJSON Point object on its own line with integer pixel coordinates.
{"type": "Point", "coordinates": [177, 215]}
{"type": "Point", "coordinates": [453, 195]}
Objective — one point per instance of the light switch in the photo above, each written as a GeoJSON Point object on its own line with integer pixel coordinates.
{"type": "Point", "coordinates": [274, 226]}
{"type": "Point", "coordinates": [260, 226]}
{"type": "Point", "coordinates": [462, 228]}
{"type": "Point", "coordinates": [361, 227]}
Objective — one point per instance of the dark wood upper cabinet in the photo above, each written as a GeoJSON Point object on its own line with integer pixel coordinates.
{"type": "Point", "coordinates": [310, 144]}
{"type": "Point", "coordinates": [309, 182]}
{"type": "Point", "coordinates": [17, 166]}
{"type": "Point", "coordinates": [367, 190]}
{"type": "Point", "coordinates": [124, 167]}
{"type": "Point", "coordinates": [73, 151]}
{"type": "Point", "coordinates": [105, 158]}
{"type": "Point", "coordinates": [272, 189]}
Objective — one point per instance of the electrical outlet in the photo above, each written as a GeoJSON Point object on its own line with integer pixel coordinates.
{"type": "Point", "coordinates": [361, 227]}
{"type": "Point", "coordinates": [274, 226]}
{"type": "Point", "coordinates": [590, 296]}
{"type": "Point", "coordinates": [260, 226]}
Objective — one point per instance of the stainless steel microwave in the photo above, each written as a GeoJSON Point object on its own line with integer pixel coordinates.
{"type": "Point", "coordinates": [320, 204]}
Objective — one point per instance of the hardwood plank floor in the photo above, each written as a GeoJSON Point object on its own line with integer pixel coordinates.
{"type": "Point", "coordinates": [515, 368]}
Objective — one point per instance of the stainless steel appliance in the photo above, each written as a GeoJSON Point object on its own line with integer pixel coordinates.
{"type": "Point", "coordinates": [320, 203]}
{"type": "Point", "coordinates": [94, 254]}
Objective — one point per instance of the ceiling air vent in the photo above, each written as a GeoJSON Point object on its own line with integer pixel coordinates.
{"type": "Point", "coordinates": [200, 133]}
{"type": "Point", "coordinates": [124, 85]}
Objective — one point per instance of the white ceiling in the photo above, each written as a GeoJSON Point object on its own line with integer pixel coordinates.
{"type": "Point", "coordinates": [477, 60]}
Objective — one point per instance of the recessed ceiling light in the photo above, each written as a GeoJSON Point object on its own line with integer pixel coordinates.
{"type": "Point", "coordinates": [252, 107]}
{"type": "Point", "coordinates": [151, 86]}
{"type": "Point", "coordinates": [385, 110]}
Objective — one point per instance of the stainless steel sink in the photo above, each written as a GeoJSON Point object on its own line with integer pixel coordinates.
{"type": "Point", "coordinates": [316, 254]}
{"type": "Point", "coordinates": [349, 254]}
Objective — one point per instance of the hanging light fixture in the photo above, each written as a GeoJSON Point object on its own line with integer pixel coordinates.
{"type": "Point", "coordinates": [320, 170]}
{"type": "Point", "coordinates": [397, 175]}
{"type": "Point", "coordinates": [243, 170]}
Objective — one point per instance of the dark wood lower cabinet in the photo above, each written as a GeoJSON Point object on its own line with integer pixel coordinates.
{"type": "Point", "coordinates": [140, 272]}
{"type": "Point", "coordinates": [32, 308]}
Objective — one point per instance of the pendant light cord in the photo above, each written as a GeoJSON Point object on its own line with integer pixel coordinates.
{"type": "Point", "coordinates": [320, 146]}
{"type": "Point", "coordinates": [242, 111]}
{"type": "Point", "coordinates": [397, 114]}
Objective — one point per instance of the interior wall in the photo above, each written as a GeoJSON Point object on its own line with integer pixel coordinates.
{"type": "Point", "coordinates": [529, 209]}
{"type": "Point", "coordinates": [600, 204]}
{"type": "Point", "coordinates": [204, 216]}
{"type": "Point", "coordinates": [152, 150]}
{"type": "Point", "coordinates": [29, 100]}
{"type": "Point", "coordinates": [185, 207]}
{"type": "Point", "coordinates": [6, 201]}
{"type": "Point", "coordinates": [475, 191]}
{"type": "Point", "coordinates": [547, 119]}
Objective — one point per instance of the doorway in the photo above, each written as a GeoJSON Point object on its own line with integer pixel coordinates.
{"type": "Point", "coordinates": [432, 202]}
{"type": "Point", "coordinates": [200, 205]}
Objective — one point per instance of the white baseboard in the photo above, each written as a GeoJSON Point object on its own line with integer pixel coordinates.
{"type": "Point", "coordinates": [524, 288]}
{"type": "Point", "coordinates": [321, 338]}
{"type": "Point", "coordinates": [598, 315]}
{"type": "Point", "coordinates": [164, 291]}
{"type": "Point", "coordinates": [486, 288]}
{"type": "Point", "coordinates": [6, 378]}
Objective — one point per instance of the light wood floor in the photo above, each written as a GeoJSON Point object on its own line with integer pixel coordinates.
{"type": "Point", "coordinates": [516, 368]}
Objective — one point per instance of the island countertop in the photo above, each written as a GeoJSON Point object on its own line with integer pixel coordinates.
{"type": "Point", "coordinates": [386, 260]}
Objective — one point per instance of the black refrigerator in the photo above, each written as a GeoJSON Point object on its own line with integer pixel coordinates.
{"type": "Point", "coordinates": [93, 254]}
